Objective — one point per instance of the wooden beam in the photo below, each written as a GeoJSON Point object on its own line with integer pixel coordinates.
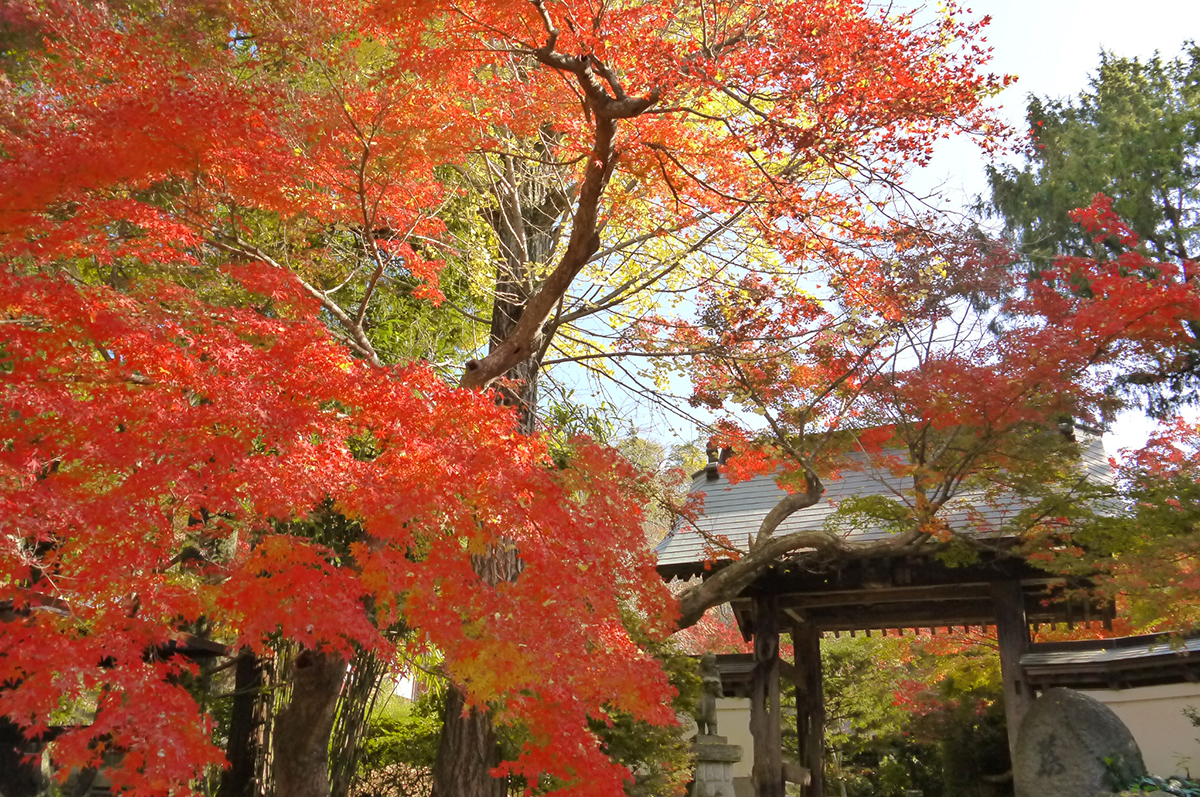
{"type": "Point", "coordinates": [1012, 634]}
{"type": "Point", "coordinates": [883, 595]}
{"type": "Point", "coordinates": [775, 708]}
{"type": "Point", "coordinates": [873, 573]}
{"type": "Point", "coordinates": [961, 614]}
{"type": "Point", "coordinates": [803, 698]}
{"type": "Point", "coordinates": [795, 615]}
{"type": "Point", "coordinates": [765, 713]}
{"type": "Point", "coordinates": [810, 706]}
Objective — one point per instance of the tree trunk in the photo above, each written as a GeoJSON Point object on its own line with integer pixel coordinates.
{"type": "Point", "coordinates": [467, 751]}
{"type": "Point", "coordinates": [467, 748]}
{"type": "Point", "coordinates": [527, 213]}
{"type": "Point", "coordinates": [528, 210]}
{"type": "Point", "coordinates": [301, 748]}
{"type": "Point", "coordinates": [19, 777]}
{"type": "Point", "coordinates": [512, 290]}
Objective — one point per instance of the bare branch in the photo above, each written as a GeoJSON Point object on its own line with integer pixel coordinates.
{"type": "Point", "coordinates": [358, 339]}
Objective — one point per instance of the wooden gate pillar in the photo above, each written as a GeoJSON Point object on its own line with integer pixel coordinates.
{"type": "Point", "coordinates": [765, 716]}
{"type": "Point", "coordinates": [810, 706]}
{"type": "Point", "coordinates": [1012, 636]}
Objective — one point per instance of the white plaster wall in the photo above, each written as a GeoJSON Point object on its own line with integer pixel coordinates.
{"type": "Point", "coordinates": [1154, 715]}
{"type": "Point", "coordinates": [733, 721]}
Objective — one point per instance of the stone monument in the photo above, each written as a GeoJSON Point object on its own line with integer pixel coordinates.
{"type": "Point", "coordinates": [715, 757]}
{"type": "Point", "coordinates": [1070, 745]}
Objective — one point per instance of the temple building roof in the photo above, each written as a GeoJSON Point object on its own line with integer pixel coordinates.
{"type": "Point", "coordinates": [735, 511]}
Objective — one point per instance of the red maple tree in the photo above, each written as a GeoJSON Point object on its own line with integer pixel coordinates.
{"type": "Point", "coordinates": [183, 372]}
{"type": "Point", "coordinates": [142, 424]}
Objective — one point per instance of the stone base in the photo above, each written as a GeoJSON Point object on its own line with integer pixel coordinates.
{"type": "Point", "coordinates": [715, 758]}
{"type": "Point", "coordinates": [716, 748]}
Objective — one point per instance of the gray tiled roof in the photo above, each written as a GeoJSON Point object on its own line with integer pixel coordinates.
{"type": "Point", "coordinates": [1133, 648]}
{"type": "Point", "coordinates": [1120, 663]}
{"type": "Point", "coordinates": [734, 511]}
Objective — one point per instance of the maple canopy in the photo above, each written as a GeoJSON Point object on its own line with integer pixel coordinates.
{"type": "Point", "coordinates": [268, 134]}
{"type": "Point", "coordinates": [203, 207]}
{"type": "Point", "coordinates": [141, 425]}
{"type": "Point", "coordinates": [913, 376]}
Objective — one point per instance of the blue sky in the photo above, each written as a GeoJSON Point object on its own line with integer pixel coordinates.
{"type": "Point", "coordinates": [1052, 45]}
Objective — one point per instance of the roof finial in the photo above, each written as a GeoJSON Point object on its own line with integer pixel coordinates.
{"type": "Point", "coordinates": [714, 454]}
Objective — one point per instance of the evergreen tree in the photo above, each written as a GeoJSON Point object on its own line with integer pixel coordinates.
{"type": "Point", "coordinates": [1133, 135]}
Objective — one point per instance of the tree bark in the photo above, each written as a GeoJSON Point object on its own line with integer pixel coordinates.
{"type": "Point", "coordinates": [527, 213]}
{"type": "Point", "coordinates": [467, 751]}
{"type": "Point", "coordinates": [728, 582]}
{"type": "Point", "coordinates": [301, 744]}
{"type": "Point", "coordinates": [521, 324]}
{"type": "Point", "coordinates": [468, 748]}
{"type": "Point", "coordinates": [18, 776]}
{"type": "Point", "coordinates": [524, 221]}
{"type": "Point", "coordinates": [524, 341]}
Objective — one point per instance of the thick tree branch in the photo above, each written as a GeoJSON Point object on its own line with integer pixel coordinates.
{"type": "Point", "coordinates": [526, 337]}
{"type": "Point", "coordinates": [729, 581]}
{"type": "Point", "coordinates": [592, 75]}
{"type": "Point", "coordinates": [597, 80]}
